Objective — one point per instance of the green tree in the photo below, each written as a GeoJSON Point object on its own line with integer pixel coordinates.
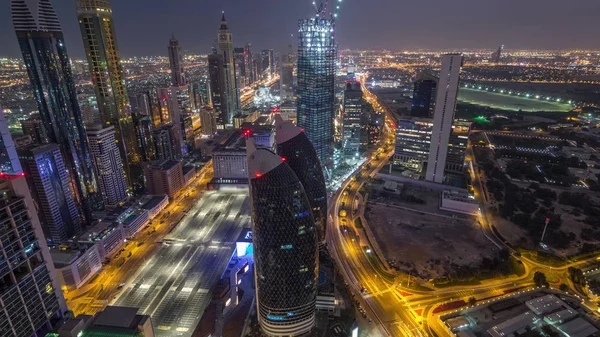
{"type": "Point", "coordinates": [540, 279]}
{"type": "Point", "coordinates": [563, 287]}
{"type": "Point", "coordinates": [472, 301]}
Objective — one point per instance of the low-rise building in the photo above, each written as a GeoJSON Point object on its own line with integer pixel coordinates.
{"type": "Point", "coordinates": [113, 321]}
{"type": "Point", "coordinates": [107, 235]}
{"type": "Point", "coordinates": [75, 264]}
{"type": "Point", "coordinates": [154, 204]}
{"type": "Point", "coordinates": [133, 219]}
{"type": "Point", "coordinates": [578, 328]}
{"type": "Point", "coordinates": [164, 177]}
{"type": "Point", "coordinates": [188, 174]}
{"type": "Point", "coordinates": [459, 202]}
{"type": "Point", "coordinates": [519, 324]}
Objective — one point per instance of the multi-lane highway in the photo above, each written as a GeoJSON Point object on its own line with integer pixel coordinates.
{"type": "Point", "coordinates": [101, 289]}
{"type": "Point", "coordinates": [173, 286]}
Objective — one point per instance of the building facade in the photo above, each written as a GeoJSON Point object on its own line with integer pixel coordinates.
{"type": "Point", "coordinates": [49, 182]}
{"type": "Point", "coordinates": [9, 160]}
{"type": "Point", "coordinates": [285, 246]}
{"type": "Point", "coordinates": [30, 294]}
{"type": "Point", "coordinates": [316, 76]}
{"type": "Point", "coordinates": [413, 140]}
{"type": "Point", "coordinates": [104, 61]}
{"type": "Point", "coordinates": [297, 151]}
{"type": "Point", "coordinates": [48, 66]}
{"type": "Point", "coordinates": [109, 164]}
{"type": "Point", "coordinates": [443, 117]}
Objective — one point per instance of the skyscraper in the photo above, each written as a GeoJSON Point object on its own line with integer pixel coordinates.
{"type": "Point", "coordinates": [171, 101]}
{"type": "Point", "coordinates": [49, 184]}
{"type": "Point", "coordinates": [34, 127]}
{"type": "Point", "coordinates": [300, 155]}
{"type": "Point", "coordinates": [285, 246]}
{"type": "Point", "coordinates": [497, 55]}
{"type": "Point", "coordinates": [351, 120]}
{"type": "Point", "coordinates": [176, 63]}
{"type": "Point", "coordinates": [30, 292]}
{"type": "Point", "coordinates": [232, 94]}
{"type": "Point", "coordinates": [218, 89]}
{"type": "Point", "coordinates": [208, 121]}
{"type": "Point", "coordinates": [240, 67]}
{"type": "Point", "coordinates": [249, 63]}
{"type": "Point", "coordinates": [268, 62]}
{"type": "Point", "coordinates": [424, 94]}
{"type": "Point", "coordinates": [316, 75]}
{"type": "Point", "coordinates": [9, 160]}
{"type": "Point", "coordinates": [164, 142]}
{"type": "Point", "coordinates": [443, 117]}
{"type": "Point", "coordinates": [286, 78]}
{"type": "Point", "coordinates": [100, 42]}
{"type": "Point", "coordinates": [111, 175]}
{"type": "Point", "coordinates": [49, 69]}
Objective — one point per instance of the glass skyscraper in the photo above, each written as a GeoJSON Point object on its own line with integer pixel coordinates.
{"type": "Point", "coordinates": [351, 120]}
{"type": "Point", "coordinates": [285, 246]}
{"type": "Point", "coordinates": [100, 42]}
{"type": "Point", "coordinates": [424, 94]}
{"type": "Point", "coordinates": [316, 75]}
{"type": "Point", "coordinates": [42, 45]}
{"type": "Point", "coordinates": [300, 155]}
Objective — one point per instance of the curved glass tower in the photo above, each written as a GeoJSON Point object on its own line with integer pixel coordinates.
{"type": "Point", "coordinates": [300, 155]}
{"type": "Point", "coordinates": [49, 69]}
{"type": "Point", "coordinates": [285, 246]}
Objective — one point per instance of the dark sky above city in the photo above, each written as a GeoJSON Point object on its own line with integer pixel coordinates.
{"type": "Point", "coordinates": [144, 26]}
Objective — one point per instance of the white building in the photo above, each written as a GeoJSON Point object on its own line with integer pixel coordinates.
{"type": "Point", "coordinates": [76, 264]}
{"type": "Point", "coordinates": [443, 116]}
{"type": "Point", "coordinates": [108, 236]}
{"type": "Point", "coordinates": [109, 164]}
{"type": "Point", "coordinates": [154, 204]}
{"type": "Point", "coordinates": [459, 202]}
{"type": "Point", "coordinates": [133, 219]}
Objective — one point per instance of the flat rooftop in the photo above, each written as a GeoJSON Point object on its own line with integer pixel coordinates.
{"type": "Point", "coordinates": [164, 165]}
{"type": "Point", "coordinates": [150, 201]}
{"type": "Point", "coordinates": [118, 317]}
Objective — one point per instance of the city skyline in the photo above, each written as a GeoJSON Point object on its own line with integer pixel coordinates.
{"type": "Point", "coordinates": [483, 26]}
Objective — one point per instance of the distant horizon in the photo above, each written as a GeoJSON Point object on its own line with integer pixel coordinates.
{"type": "Point", "coordinates": [378, 25]}
{"type": "Point", "coordinates": [416, 50]}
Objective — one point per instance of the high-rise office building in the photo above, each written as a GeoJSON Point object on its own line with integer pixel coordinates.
{"type": "Point", "coordinates": [268, 62]}
{"type": "Point", "coordinates": [165, 145]}
{"type": "Point", "coordinates": [457, 148]}
{"type": "Point", "coordinates": [208, 121]}
{"type": "Point", "coordinates": [218, 89]}
{"type": "Point", "coordinates": [49, 69]}
{"type": "Point", "coordinates": [316, 76]}
{"type": "Point", "coordinates": [240, 67]}
{"type": "Point", "coordinates": [9, 160]}
{"type": "Point", "coordinates": [140, 104]}
{"type": "Point", "coordinates": [424, 94]}
{"type": "Point", "coordinates": [143, 128]}
{"type": "Point", "coordinates": [232, 94]}
{"type": "Point", "coordinates": [49, 183]}
{"type": "Point", "coordinates": [176, 63]}
{"type": "Point", "coordinates": [176, 100]}
{"type": "Point", "coordinates": [111, 175]}
{"type": "Point", "coordinates": [286, 78]}
{"type": "Point", "coordinates": [34, 127]}
{"type": "Point", "coordinates": [285, 246]}
{"type": "Point", "coordinates": [351, 120]}
{"type": "Point", "coordinates": [30, 294]}
{"type": "Point", "coordinates": [249, 63]}
{"type": "Point", "coordinates": [413, 140]}
{"type": "Point", "coordinates": [443, 117]}
{"type": "Point", "coordinates": [104, 61]}
{"type": "Point", "coordinates": [300, 155]}
{"type": "Point", "coordinates": [497, 55]}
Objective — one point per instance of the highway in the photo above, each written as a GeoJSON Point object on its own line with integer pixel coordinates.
{"type": "Point", "coordinates": [174, 285]}
{"type": "Point", "coordinates": [102, 288]}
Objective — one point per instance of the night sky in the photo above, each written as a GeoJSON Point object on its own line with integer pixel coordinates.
{"type": "Point", "coordinates": [145, 26]}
